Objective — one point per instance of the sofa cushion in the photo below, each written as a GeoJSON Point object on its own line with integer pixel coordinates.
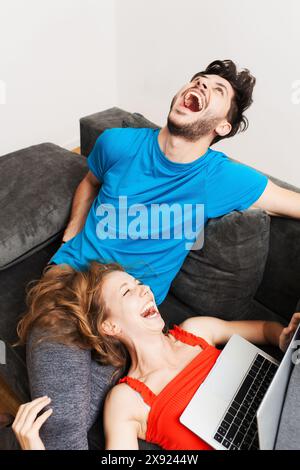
{"type": "Point", "coordinates": [280, 287]}
{"type": "Point", "coordinates": [222, 278]}
{"type": "Point", "coordinates": [36, 198]}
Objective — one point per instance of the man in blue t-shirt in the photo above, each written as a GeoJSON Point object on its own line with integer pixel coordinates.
{"type": "Point", "coordinates": [139, 170]}
{"type": "Point", "coordinates": [135, 175]}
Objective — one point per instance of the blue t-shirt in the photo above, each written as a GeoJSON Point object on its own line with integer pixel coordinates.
{"type": "Point", "coordinates": [130, 164]}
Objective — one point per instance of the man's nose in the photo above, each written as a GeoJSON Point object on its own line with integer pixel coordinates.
{"type": "Point", "coordinates": [202, 83]}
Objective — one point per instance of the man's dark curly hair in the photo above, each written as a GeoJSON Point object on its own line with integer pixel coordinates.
{"type": "Point", "coordinates": [242, 83]}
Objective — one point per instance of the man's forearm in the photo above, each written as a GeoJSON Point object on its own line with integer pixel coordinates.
{"type": "Point", "coordinates": [82, 201]}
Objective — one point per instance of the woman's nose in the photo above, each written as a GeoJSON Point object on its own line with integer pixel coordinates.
{"type": "Point", "coordinates": [145, 289]}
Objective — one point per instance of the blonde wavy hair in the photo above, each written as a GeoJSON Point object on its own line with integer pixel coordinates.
{"type": "Point", "coordinates": [67, 306]}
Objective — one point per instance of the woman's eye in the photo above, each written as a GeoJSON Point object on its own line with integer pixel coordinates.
{"type": "Point", "coordinates": [220, 90]}
{"type": "Point", "coordinates": [129, 289]}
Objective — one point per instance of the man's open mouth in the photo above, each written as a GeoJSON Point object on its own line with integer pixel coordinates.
{"type": "Point", "coordinates": [193, 101]}
{"type": "Point", "coordinates": [150, 311]}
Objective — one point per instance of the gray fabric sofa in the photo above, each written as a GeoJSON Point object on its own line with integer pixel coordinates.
{"type": "Point", "coordinates": [35, 199]}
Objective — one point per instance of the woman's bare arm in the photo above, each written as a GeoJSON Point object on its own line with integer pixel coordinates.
{"type": "Point", "coordinates": [120, 427]}
{"type": "Point", "coordinates": [218, 332]}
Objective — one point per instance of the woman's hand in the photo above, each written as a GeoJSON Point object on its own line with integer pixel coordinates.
{"type": "Point", "coordinates": [26, 425]}
{"type": "Point", "coordinates": [288, 332]}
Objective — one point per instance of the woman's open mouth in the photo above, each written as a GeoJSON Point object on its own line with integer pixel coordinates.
{"type": "Point", "coordinates": [150, 311]}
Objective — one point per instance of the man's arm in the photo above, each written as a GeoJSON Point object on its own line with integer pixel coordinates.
{"type": "Point", "coordinates": [82, 201]}
{"type": "Point", "coordinates": [279, 201]}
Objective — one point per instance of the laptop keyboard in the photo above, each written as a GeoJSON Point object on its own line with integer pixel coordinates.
{"type": "Point", "coordinates": [238, 429]}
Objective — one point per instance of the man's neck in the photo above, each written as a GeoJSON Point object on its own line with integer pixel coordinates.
{"type": "Point", "coordinates": [179, 150]}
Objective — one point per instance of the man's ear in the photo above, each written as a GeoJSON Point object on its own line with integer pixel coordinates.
{"type": "Point", "coordinates": [223, 128]}
{"type": "Point", "coordinates": [110, 328]}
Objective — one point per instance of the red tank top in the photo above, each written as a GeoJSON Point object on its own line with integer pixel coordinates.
{"type": "Point", "coordinates": [163, 425]}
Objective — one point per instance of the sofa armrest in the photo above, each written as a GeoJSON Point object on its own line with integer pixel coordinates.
{"type": "Point", "coordinates": [36, 198]}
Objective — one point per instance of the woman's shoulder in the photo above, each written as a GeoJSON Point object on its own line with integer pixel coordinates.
{"type": "Point", "coordinates": [120, 393]}
{"type": "Point", "coordinates": [122, 398]}
{"type": "Point", "coordinates": [201, 327]}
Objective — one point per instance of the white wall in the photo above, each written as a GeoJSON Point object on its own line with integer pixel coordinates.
{"type": "Point", "coordinates": [63, 59]}
{"type": "Point", "coordinates": [58, 61]}
{"type": "Point", "coordinates": [161, 44]}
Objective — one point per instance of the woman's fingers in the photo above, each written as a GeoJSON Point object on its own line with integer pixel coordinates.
{"type": "Point", "coordinates": [28, 412]}
{"type": "Point", "coordinates": [295, 320]}
{"type": "Point", "coordinates": [291, 328]}
{"type": "Point", "coordinates": [41, 419]}
{"type": "Point", "coordinates": [32, 413]}
{"type": "Point", "coordinates": [288, 331]}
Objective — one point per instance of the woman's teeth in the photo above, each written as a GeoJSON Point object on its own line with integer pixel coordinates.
{"type": "Point", "coordinates": [150, 311]}
{"type": "Point", "coordinates": [154, 314]}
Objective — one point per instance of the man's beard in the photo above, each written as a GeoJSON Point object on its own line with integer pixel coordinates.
{"type": "Point", "coordinates": [192, 131]}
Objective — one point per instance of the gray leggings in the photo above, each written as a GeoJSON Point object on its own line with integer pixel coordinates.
{"type": "Point", "coordinates": [77, 385]}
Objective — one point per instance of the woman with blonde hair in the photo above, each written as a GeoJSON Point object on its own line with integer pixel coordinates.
{"type": "Point", "coordinates": [108, 311]}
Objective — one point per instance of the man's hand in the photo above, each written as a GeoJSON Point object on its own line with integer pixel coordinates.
{"type": "Point", "coordinates": [288, 332]}
{"type": "Point", "coordinates": [279, 201]}
{"type": "Point", "coordinates": [26, 425]}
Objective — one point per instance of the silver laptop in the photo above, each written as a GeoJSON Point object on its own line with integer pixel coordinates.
{"type": "Point", "coordinates": [238, 406]}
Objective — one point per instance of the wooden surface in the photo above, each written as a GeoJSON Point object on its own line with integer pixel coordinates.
{"type": "Point", "coordinates": [9, 402]}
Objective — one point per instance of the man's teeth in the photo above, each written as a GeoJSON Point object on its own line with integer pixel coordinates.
{"type": "Point", "coordinates": [199, 98]}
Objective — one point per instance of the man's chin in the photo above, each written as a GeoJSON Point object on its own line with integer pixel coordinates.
{"type": "Point", "coordinates": [177, 118]}
{"type": "Point", "coordinates": [181, 125]}
{"type": "Point", "coordinates": [180, 117]}
{"type": "Point", "coordinates": [178, 125]}
{"type": "Point", "coordinates": [180, 112]}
